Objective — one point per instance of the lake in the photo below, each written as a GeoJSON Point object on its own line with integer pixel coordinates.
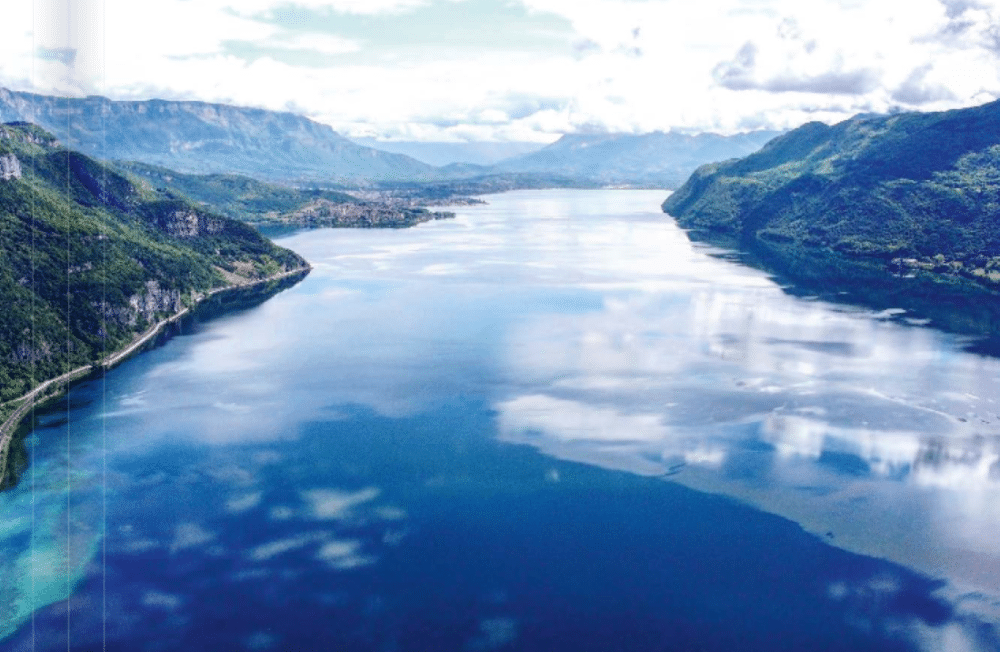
{"type": "Point", "coordinates": [551, 423]}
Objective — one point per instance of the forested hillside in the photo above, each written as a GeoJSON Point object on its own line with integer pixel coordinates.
{"type": "Point", "coordinates": [915, 194]}
{"type": "Point", "coordinates": [90, 259]}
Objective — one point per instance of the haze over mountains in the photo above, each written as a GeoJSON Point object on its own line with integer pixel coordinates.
{"type": "Point", "coordinates": [441, 154]}
{"type": "Point", "coordinates": [204, 138]}
{"type": "Point", "coordinates": [654, 159]}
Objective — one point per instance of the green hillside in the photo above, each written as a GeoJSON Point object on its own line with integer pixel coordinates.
{"type": "Point", "coordinates": [90, 259]}
{"type": "Point", "coordinates": [261, 203]}
{"type": "Point", "coordinates": [233, 195]}
{"type": "Point", "coordinates": [898, 201]}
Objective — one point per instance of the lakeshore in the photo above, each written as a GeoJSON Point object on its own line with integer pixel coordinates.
{"type": "Point", "coordinates": [480, 412]}
{"type": "Point", "coordinates": [54, 387]}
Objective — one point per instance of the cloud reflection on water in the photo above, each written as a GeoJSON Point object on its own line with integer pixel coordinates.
{"type": "Point", "coordinates": [883, 434]}
{"type": "Point", "coordinates": [607, 339]}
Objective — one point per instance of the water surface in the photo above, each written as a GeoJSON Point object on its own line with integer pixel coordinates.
{"type": "Point", "coordinates": [551, 423]}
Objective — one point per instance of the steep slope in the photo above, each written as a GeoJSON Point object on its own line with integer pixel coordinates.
{"type": "Point", "coordinates": [88, 259]}
{"type": "Point", "coordinates": [891, 211]}
{"type": "Point", "coordinates": [914, 191]}
{"type": "Point", "coordinates": [654, 159]}
{"type": "Point", "coordinates": [205, 138]}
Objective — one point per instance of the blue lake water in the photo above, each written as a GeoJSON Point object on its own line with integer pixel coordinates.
{"type": "Point", "coordinates": [551, 423]}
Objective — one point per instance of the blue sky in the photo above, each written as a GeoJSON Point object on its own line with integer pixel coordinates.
{"type": "Point", "coordinates": [457, 70]}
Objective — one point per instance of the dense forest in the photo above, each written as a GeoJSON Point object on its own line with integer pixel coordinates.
{"type": "Point", "coordinates": [912, 193]}
{"type": "Point", "coordinates": [90, 258]}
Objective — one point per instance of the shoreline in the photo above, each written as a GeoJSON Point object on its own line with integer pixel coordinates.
{"type": "Point", "coordinates": [39, 394]}
{"type": "Point", "coordinates": [952, 303]}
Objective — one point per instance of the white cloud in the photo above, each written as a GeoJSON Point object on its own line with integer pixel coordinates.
{"type": "Point", "coordinates": [320, 43]}
{"type": "Point", "coordinates": [16, 44]}
{"type": "Point", "coordinates": [363, 7]}
{"type": "Point", "coordinates": [636, 66]}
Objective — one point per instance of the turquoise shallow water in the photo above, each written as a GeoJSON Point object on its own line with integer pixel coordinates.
{"type": "Point", "coordinates": [551, 423]}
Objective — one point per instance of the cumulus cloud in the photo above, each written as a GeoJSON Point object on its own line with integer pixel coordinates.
{"type": "Point", "coordinates": [319, 43]}
{"type": "Point", "coordinates": [724, 66]}
{"type": "Point", "coordinates": [68, 38]}
{"type": "Point", "coordinates": [741, 73]}
{"type": "Point", "coordinates": [357, 7]}
{"type": "Point", "coordinates": [918, 89]}
{"type": "Point", "coordinates": [956, 8]}
{"type": "Point", "coordinates": [364, 7]}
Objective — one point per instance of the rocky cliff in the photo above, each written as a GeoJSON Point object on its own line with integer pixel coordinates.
{"type": "Point", "coordinates": [90, 259]}
{"type": "Point", "coordinates": [10, 167]}
{"type": "Point", "coordinates": [143, 306]}
{"type": "Point", "coordinates": [205, 138]}
{"type": "Point", "coordinates": [188, 223]}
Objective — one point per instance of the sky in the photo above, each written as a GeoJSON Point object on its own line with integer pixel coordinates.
{"type": "Point", "coordinates": [516, 70]}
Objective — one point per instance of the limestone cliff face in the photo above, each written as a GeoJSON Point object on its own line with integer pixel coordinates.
{"type": "Point", "coordinates": [23, 132]}
{"type": "Point", "coordinates": [186, 223]}
{"type": "Point", "coordinates": [24, 353]}
{"type": "Point", "coordinates": [91, 259]}
{"type": "Point", "coordinates": [205, 138]}
{"type": "Point", "coordinates": [10, 167]}
{"type": "Point", "coordinates": [152, 302]}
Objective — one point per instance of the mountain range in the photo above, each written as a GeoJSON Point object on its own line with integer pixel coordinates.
{"type": "Point", "coordinates": [206, 138]}
{"type": "Point", "coordinates": [201, 137]}
{"type": "Point", "coordinates": [439, 154]}
{"type": "Point", "coordinates": [655, 159]}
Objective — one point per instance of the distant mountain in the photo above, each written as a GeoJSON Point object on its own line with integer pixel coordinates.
{"type": "Point", "coordinates": [91, 259]}
{"type": "Point", "coordinates": [205, 138]}
{"type": "Point", "coordinates": [914, 194]}
{"type": "Point", "coordinates": [654, 159]}
{"type": "Point", "coordinates": [440, 154]}
{"type": "Point", "coordinates": [257, 202]}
